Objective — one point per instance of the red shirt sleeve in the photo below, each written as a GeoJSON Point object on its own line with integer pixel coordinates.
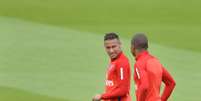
{"type": "Point", "coordinates": [169, 84]}
{"type": "Point", "coordinates": [123, 82]}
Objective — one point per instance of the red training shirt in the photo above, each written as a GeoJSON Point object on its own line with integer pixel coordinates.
{"type": "Point", "coordinates": [148, 76]}
{"type": "Point", "coordinates": [118, 80]}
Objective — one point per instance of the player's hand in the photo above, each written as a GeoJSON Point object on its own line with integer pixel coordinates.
{"type": "Point", "coordinates": [97, 97]}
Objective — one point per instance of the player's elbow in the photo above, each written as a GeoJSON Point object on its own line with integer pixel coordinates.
{"type": "Point", "coordinates": [173, 84]}
{"type": "Point", "coordinates": [170, 83]}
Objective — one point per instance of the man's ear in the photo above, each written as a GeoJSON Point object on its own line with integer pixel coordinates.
{"type": "Point", "coordinates": [132, 48]}
{"type": "Point", "coordinates": [119, 42]}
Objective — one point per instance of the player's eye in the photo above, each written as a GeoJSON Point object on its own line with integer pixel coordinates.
{"type": "Point", "coordinates": [114, 46]}
{"type": "Point", "coordinates": [108, 47]}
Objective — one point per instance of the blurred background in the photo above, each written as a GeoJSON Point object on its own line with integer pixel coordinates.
{"type": "Point", "coordinates": [52, 50]}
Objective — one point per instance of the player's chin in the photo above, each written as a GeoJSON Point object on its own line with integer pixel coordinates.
{"type": "Point", "coordinates": [113, 56]}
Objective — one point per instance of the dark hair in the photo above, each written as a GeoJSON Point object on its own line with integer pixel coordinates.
{"type": "Point", "coordinates": [140, 41]}
{"type": "Point", "coordinates": [111, 36]}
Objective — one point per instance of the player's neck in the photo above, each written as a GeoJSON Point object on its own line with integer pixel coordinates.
{"type": "Point", "coordinates": [140, 53]}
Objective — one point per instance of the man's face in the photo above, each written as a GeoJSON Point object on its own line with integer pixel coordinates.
{"type": "Point", "coordinates": [112, 47]}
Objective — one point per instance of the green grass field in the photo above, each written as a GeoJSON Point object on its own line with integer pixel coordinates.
{"type": "Point", "coordinates": [53, 50]}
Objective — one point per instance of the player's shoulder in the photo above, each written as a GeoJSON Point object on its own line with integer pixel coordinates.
{"type": "Point", "coordinates": [123, 61]}
{"type": "Point", "coordinates": [152, 59]}
{"type": "Point", "coordinates": [153, 62]}
{"type": "Point", "coordinates": [123, 58]}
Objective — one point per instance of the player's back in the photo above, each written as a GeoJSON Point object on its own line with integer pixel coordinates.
{"type": "Point", "coordinates": [154, 72]}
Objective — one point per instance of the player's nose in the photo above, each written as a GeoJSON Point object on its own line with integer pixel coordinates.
{"type": "Point", "coordinates": [111, 50]}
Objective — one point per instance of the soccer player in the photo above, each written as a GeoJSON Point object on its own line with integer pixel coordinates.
{"type": "Point", "coordinates": [149, 72]}
{"type": "Point", "coordinates": [117, 83]}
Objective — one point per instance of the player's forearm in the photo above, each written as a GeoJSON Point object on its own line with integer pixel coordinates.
{"type": "Point", "coordinates": [115, 93]}
{"type": "Point", "coordinates": [169, 85]}
{"type": "Point", "coordinates": [167, 91]}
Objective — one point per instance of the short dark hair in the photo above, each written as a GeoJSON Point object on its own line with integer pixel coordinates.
{"type": "Point", "coordinates": [111, 36]}
{"type": "Point", "coordinates": [140, 41]}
